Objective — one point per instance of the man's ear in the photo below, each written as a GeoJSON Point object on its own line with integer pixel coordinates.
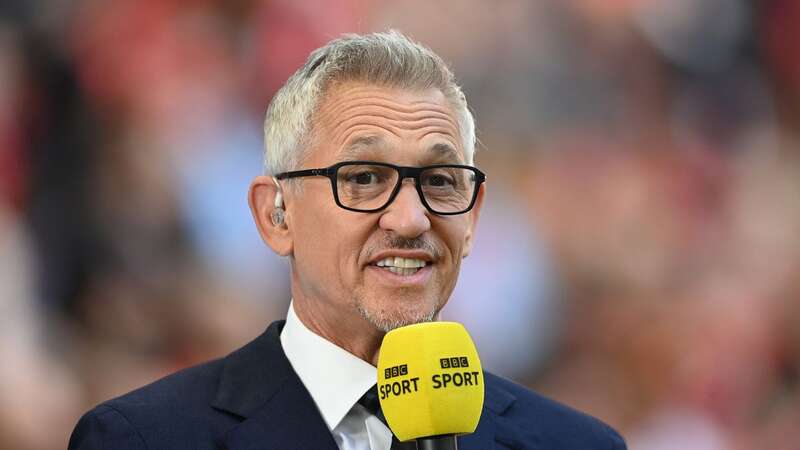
{"type": "Point", "coordinates": [261, 197]}
{"type": "Point", "coordinates": [474, 214]}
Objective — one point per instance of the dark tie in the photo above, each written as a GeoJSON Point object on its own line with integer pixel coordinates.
{"type": "Point", "coordinates": [370, 401]}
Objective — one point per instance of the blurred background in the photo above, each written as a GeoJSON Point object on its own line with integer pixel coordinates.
{"type": "Point", "coordinates": [638, 255]}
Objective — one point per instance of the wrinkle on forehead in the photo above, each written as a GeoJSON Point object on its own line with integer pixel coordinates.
{"type": "Point", "coordinates": [391, 113]}
{"type": "Point", "coordinates": [350, 109]}
{"type": "Point", "coordinates": [424, 125]}
{"type": "Point", "coordinates": [401, 109]}
{"type": "Point", "coordinates": [367, 144]}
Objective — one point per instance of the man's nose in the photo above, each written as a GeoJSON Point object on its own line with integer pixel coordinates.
{"type": "Point", "coordinates": [406, 215]}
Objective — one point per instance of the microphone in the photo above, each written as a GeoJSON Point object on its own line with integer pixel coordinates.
{"type": "Point", "coordinates": [430, 384]}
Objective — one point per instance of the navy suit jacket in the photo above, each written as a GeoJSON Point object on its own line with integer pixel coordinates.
{"type": "Point", "coordinates": [252, 399]}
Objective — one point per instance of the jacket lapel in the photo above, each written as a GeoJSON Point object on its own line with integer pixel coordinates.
{"type": "Point", "coordinates": [287, 422]}
{"type": "Point", "coordinates": [493, 426]}
{"type": "Point", "coordinates": [496, 401]}
{"type": "Point", "coordinates": [483, 437]}
{"type": "Point", "coordinates": [259, 385]}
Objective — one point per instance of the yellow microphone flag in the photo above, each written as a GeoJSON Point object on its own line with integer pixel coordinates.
{"type": "Point", "coordinates": [430, 381]}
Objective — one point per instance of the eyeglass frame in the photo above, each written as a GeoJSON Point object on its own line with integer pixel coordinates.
{"type": "Point", "coordinates": [403, 172]}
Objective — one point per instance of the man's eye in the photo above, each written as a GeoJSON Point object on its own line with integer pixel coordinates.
{"type": "Point", "coordinates": [439, 180]}
{"type": "Point", "coordinates": [364, 178]}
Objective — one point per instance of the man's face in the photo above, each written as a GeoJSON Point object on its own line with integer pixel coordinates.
{"type": "Point", "coordinates": [336, 253]}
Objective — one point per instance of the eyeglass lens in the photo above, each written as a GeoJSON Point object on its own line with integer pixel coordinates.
{"type": "Point", "coordinates": [369, 187]}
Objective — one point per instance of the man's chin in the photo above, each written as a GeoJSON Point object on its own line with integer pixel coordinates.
{"type": "Point", "coordinates": [388, 320]}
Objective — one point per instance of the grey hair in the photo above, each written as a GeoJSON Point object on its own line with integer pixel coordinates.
{"type": "Point", "coordinates": [385, 59]}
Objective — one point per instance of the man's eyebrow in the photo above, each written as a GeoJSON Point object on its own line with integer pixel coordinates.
{"type": "Point", "coordinates": [446, 151]}
{"type": "Point", "coordinates": [356, 147]}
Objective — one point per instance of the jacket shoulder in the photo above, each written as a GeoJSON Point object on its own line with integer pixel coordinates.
{"type": "Point", "coordinates": [186, 388]}
{"type": "Point", "coordinates": [105, 428]}
{"type": "Point", "coordinates": [175, 408]}
{"type": "Point", "coordinates": [523, 417]}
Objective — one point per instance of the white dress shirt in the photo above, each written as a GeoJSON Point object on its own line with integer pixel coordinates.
{"type": "Point", "coordinates": [336, 380]}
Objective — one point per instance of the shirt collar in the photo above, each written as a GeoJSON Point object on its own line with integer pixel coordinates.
{"type": "Point", "coordinates": [335, 378]}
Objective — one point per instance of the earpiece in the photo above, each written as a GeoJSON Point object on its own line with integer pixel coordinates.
{"type": "Point", "coordinates": [277, 216]}
{"type": "Point", "coordinates": [278, 212]}
{"type": "Point", "coordinates": [279, 199]}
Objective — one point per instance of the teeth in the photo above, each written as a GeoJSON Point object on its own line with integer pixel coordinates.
{"type": "Point", "coordinates": [397, 262]}
{"type": "Point", "coordinates": [403, 271]}
{"type": "Point", "coordinates": [402, 266]}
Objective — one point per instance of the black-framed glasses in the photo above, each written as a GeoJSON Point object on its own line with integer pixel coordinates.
{"type": "Point", "coordinates": [368, 186]}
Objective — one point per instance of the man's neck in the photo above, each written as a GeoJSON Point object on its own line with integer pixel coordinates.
{"type": "Point", "coordinates": [353, 334]}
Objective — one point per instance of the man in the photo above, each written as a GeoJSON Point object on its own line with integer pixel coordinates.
{"type": "Point", "coordinates": [373, 198]}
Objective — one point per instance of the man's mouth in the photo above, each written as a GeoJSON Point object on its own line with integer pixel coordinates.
{"type": "Point", "coordinates": [401, 266]}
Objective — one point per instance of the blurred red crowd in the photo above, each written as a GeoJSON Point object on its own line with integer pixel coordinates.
{"type": "Point", "coordinates": [650, 146]}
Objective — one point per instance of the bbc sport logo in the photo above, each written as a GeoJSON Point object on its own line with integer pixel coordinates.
{"type": "Point", "coordinates": [396, 371]}
{"type": "Point", "coordinates": [454, 362]}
